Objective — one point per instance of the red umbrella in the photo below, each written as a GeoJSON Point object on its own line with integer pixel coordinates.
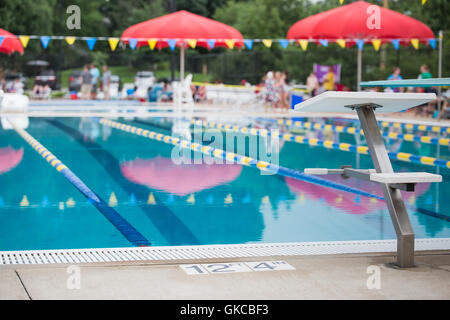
{"type": "Point", "coordinates": [9, 158]}
{"type": "Point", "coordinates": [182, 26]}
{"type": "Point", "coordinates": [10, 43]}
{"type": "Point", "coordinates": [356, 21]}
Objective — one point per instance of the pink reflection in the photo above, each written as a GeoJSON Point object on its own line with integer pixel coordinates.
{"type": "Point", "coordinates": [9, 158]}
{"type": "Point", "coordinates": [161, 173]}
{"type": "Point", "coordinates": [350, 202]}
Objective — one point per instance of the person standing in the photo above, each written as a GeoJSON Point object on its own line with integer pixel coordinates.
{"type": "Point", "coordinates": [312, 84]}
{"type": "Point", "coordinates": [425, 72]}
{"type": "Point", "coordinates": [395, 76]}
{"type": "Point", "coordinates": [95, 75]}
{"type": "Point", "coordinates": [86, 83]}
{"type": "Point", "coordinates": [106, 81]}
{"type": "Point", "coordinates": [329, 80]}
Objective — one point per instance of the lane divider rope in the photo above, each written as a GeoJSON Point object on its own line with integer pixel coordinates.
{"type": "Point", "coordinates": [235, 158]}
{"type": "Point", "coordinates": [124, 227]}
{"type": "Point", "coordinates": [329, 144]}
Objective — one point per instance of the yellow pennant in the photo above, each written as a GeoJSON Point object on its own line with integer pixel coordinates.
{"type": "Point", "coordinates": [192, 43]}
{"type": "Point", "coordinates": [191, 199]}
{"type": "Point", "coordinates": [152, 43]}
{"type": "Point", "coordinates": [70, 40]}
{"type": "Point", "coordinates": [24, 40]}
{"type": "Point", "coordinates": [267, 43]}
{"type": "Point", "coordinates": [229, 199]}
{"type": "Point", "coordinates": [113, 43]}
{"type": "Point", "coordinates": [70, 203]}
{"type": "Point", "coordinates": [24, 202]}
{"type": "Point", "coordinates": [415, 43]}
{"type": "Point", "coordinates": [424, 1]}
{"type": "Point", "coordinates": [151, 199]}
{"type": "Point", "coordinates": [376, 44]}
{"type": "Point", "coordinates": [112, 200]}
{"type": "Point", "coordinates": [229, 43]}
{"type": "Point", "coordinates": [265, 199]}
{"type": "Point", "coordinates": [303, 44]}
{"type": "Point", "coordinates": [342, 1]}
{"type": "Point", "coordinates": [339, 199]}
{"type": "Point", "coordinates": [341, 42]}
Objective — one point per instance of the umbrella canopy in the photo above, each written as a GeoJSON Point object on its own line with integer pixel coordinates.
{"type": "Point", "coordinates": [355, 22]}
{"type": "Point", "coordinates": [9, 43]}
{"type": "Point", "coordinates": [9, 158]}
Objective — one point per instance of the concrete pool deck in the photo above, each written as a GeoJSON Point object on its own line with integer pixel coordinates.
{"type": "Point", "coordinates": [314, 277]}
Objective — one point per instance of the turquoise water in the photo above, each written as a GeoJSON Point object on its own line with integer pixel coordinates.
{"type": "Point", "coordinates": [195, 204]}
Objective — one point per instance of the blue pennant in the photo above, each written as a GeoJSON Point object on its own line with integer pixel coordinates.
{"type": "Point", "coordinates": [246, 199]}
{"type": "Point", "coordinates": [357, 199]}
{"type": "Point", "coordinates": [1, 40]}
{"type": "Point", "coordinates": [211, 43]}
{"type": "Point", "coordinates": [45, 203]}
{"type": "Point", "coordinates": [91, 42]}
{"type": "Point", "coordinates": [431, 42]}
{"type": "Point", "coordinates": [132, 43]}
{"type": "Point", "coordinates": [2, 203]}
{"type": "Point", "coordinates": [248, 43]}
{"type": "Point", "coordinates": [132, 200]}
{"type": "Point", "coordinates": [323, 42]}
{"type": "Point", "coordinates": [172, 43]}
{"type": "Point", "coordinates": [210, 199]}
{"type": "Point", "coordinates": [170, 199]}
{"type": "Point", "coordinates": [45, 40]}
{"type": "Point", "coordinates": [283, 43]}
{"type": "Point", "coordinates": [360, 44]}
{"type": "Point", "coordinates": [395, 43]}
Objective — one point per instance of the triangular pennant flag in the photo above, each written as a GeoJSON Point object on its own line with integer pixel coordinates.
{"type": "Point", "coordinates": [191, 199]}
{"type": "Point", "coordinates": [2, 203]}
{"type": "Point", "coordinates": [248, 43]}
{"type": "Point", "coordinates": [283, 43]}
{"type": "Point", "coordinates": [151, 199]}
{"type": "Point", "coordinates": [303, 44]}
{"type": "Point", "coordinates": [341, 42]}
{"type": "Point", "coordinates": [1, 40]}
{"type": "Point", "coordinates": [192, 43]}
{"type": "Point", "coordinates": [112, 200]}
{"type": "Point", "coordinates": [424, 1]}
{"type": "Point", "coordinates": [132, 200]}
{"type": "Point", "coordinates": [45, 40]}
{"type": "Point", "coordinates": [360, 44]}
{"type": "Point", "coordinates": [341, 1]}
{"type": "Point", "coordinates": [152, 43]}
{"type": "Point", "coordinates": [323, 42]}
{"type": "Point", "coordinates": [415, 43]}
{"type": "Point", "coordinates": [91, 43]}
{"type": "Point", "coordinates": [432, 43]}
{"type": "Point", "coordinates": [228, 199]}
{"type": "Point", "coordinates": [113, 43]}
{"type": "Point", "coordinates": [395, 43]}
{"type": "Point", "coordinates": [45, 203]}
{"type": "Point", "coordinates": [172, 43]}
{"type": "Point", "coordinates": [210, 199]}
{"type": "Point", "coordinates": [211, 43]}
{"type": "Point", "coordinates": [70, 40]}
{"type": "Point", "coordinates": [376, 44]}
{"type": "Point", "coordinates": [229, 43]}
{"type": "Point", "coordinates": [132, 43]}
{"type": "Point", "coordinates": [24, 40]}
{"type": "Point", "coordinates": [70, 203]}
{"type": "Point", "coordinates": [267, 42]}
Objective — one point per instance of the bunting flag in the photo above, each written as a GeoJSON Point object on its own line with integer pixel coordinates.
{"type": "Point", "coordinates": [45, 40]}
{"type": "Point", "coordinates": [113, 42]}
{"type": "Point", "coordinates": [432, 43]}
{"type": "Point", "coordinates": [192, 43]}
{"type": "Point", "coordinates": [24, 40]}
{"type": "Point", "coordinates": [91, 43]}
{"type": "Point", "coordinates": [360, 44]}
{"type": "Point", "coordinates": [152, 43]}
{"type": "Point", "coordinates": [229, 43]}
{"type": "Point", "coordinates": [342, 1]}
{"type": "Point", "coordinates": [303, 44]}
{"type": "Point", "coordinates": [132, 43]}
{"type": "Point", "coordinates": [267, 42]}
{"type": "Point", "coordinates": [283, 43]}
{"type": "Point", "coordinates": [376, 44]}
{"type": "Point", "coordinates": [395, 43]}
{"type": "Point", "coordinates": [1, 40]}
{"type": "Point", "coordinates": [341, 43]}
{"type": "Point", "coordinates": [248, 43]}
{"type": "Point", "coordinates": [323, 42]}
{"type": "Point", "coordinates": [172, 44]}
{"type": "Point", "coordinates": [211, 43]}
{"type": "Point", "coordinates": [70, 40]}
{"type": "Point", "coordinates": [424, 1]}
{"type": "Point", "coordinates": [415, 43]}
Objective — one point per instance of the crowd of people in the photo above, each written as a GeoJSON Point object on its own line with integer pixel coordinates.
{"type": "Point", "coordinates": [89, 82]}
{"type": "Point", "coordinates": [276, 92]}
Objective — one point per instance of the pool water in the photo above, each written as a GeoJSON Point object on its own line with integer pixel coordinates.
{"type": "Point", "coordinates": [193, 204]}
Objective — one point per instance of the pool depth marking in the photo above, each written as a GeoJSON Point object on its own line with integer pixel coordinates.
{"type": "Point", "coordinates": [122, 225]}
{"type": "Point", "coordinates": [353, 130]}
{"type": "Point", "coordinates": [236, 158]}
{"type": "Point", "coordinates": [329, 144]}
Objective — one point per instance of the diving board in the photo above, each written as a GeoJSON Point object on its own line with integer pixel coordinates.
{"type": "Point", "coordinates": [421, 83]}
{"type": "Point", "coordinates": [366, 104]}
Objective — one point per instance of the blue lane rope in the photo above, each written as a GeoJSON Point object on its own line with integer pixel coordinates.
{"type": "Point", "coordinates": [244, 160]}
{"type": "Point", "coordinates": [127, 230]}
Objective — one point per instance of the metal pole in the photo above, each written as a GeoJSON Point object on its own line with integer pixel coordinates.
{"type": "Point", "coordinates": [441, 38]}
{"type": "Point", "coordinates": [359, 70]}
{"type": "Point", "coordinates": [393, 197]}
{"type": "Point", "coordinates": [182, 63]}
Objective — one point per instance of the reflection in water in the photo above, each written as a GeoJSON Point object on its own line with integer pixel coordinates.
{"type": "Point", "coordinates": [9, 158]}
{"type": "Point", "coordinates": [161, 173]}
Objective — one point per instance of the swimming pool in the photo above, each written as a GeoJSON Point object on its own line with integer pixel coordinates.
{"type": "Point", "coordinates": [199, 204]}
